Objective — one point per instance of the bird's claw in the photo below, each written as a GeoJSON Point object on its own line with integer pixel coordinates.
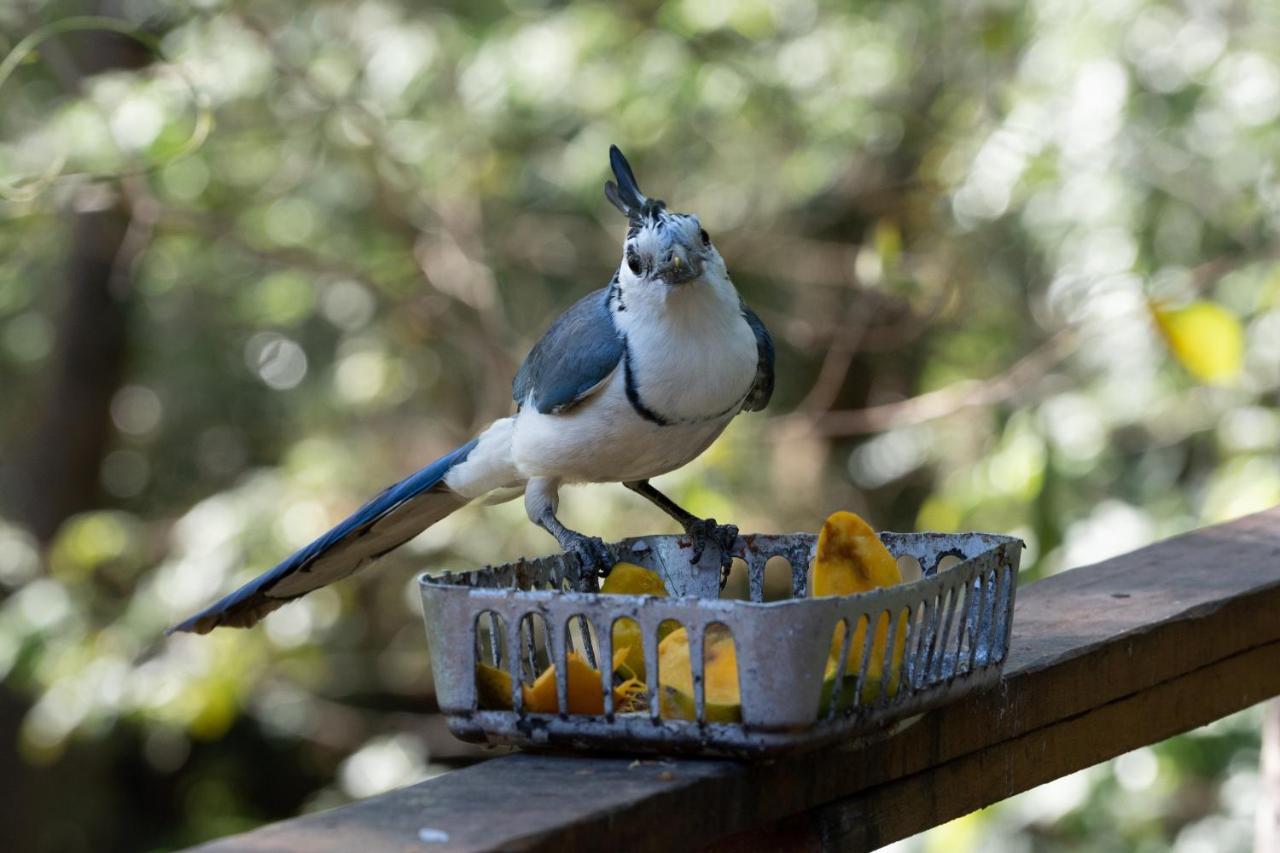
{"type": "Point", "coordinates": [592, 554]}
{"type": "Point", "coordinates": [704, 531]}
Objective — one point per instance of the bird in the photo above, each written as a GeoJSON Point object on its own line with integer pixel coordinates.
{"type": "Point", "coordinates": [633, 381]}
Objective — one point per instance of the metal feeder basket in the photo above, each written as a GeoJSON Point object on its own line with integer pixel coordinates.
{"type": "Point", "coordinates": [525, 616]}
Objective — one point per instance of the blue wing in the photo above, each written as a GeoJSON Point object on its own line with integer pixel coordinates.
{"type": "Point", "coordinates": [386, 522]}
{"type": "Point", "coordinates": [579, 352]}
{"type": "Point", "coordinates": [762, 390]}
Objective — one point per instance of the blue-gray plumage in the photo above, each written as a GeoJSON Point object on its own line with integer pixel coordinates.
{"type": "Point", "coordinates": [578, 352]}
{"type": "Point", "coordinates": [251, 602]}
{"type": "Point", "coordinates": [635, 380]}
{"type": "Point", "coordinates": [762, 389]}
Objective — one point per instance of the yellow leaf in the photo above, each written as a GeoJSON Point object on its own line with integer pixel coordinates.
{"type": "Point", "coordinates": [1205, 338]}
{"type": "Point", "coordinates": [888, 242]}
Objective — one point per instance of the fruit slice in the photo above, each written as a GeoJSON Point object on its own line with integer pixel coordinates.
{"type": "Point", "coordinates": [675, 677]}
{"type": "Point", "coordinates": [584, 693]}
{"type": "Point", "coordinates": [851, 559]}
{"type": "Point", "coordinates": [493, 688]}
{"type": "Point", "coordinates": [629, 697]}
{"type": "Point", "coordinates": [847, 695]}
{"type": "Point", "coordinates": [630, 579]}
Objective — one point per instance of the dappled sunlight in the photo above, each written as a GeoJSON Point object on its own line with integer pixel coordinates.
{"type": "Point", "coordinates": [1018, 261]}
{"type": "Point", "coordinates": [383, 764]}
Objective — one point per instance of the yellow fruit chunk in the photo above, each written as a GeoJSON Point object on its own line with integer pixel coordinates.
{"type": "Point", "coordinates": [630, 579]}
{"type": "Point", "coordinates": [720, 674]}
{"type": "Point", "coordinates": [584, 693]}
{"type": "Point", "coordinates": [493, 688]}
{"type": "Point", "coordinates": [629, 697]}
{"type": "Point", "coordinates": [626, 635]}
{"type": "Point", "coordinates": [850, 559]}
{"type": "Point", "coordinates": [847, 696]}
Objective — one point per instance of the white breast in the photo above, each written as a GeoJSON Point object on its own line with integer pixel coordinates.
{"type": "Point", "coordinates": [692, 364]}
{"type": "Point", "coordinates": [694, 357]}
{"type": "Point", "coordinates": [604, 440]}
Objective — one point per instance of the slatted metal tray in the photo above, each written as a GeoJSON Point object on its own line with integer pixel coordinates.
{"type": "Point", "coordinates": [527, 615]}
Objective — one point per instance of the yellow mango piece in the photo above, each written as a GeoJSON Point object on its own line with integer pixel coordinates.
{"type": "Point", "coordinates": [629, 697]}
{"type": "Point", "coordinates": [630, 579]}
{"type": "Point", "coordinates": [850, 558]}
{"type": "Point", "coordinates": [584, 693]}
{"type": "Point", "coordinates": [493, 688]}
{"type": "Point", "coordinates": [675, 677]}
{"type": "Point", "coordinates": [845, 698]}
{"type": "Point", "coordinates": [626, 635]}
{"type": "Point", "coordinates": [875, 664]}
{"type": "Point", "coordinates": [872, 683]}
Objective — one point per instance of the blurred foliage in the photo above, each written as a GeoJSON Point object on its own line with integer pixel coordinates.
{"type": "Point", "coordinates": [1018, 259]}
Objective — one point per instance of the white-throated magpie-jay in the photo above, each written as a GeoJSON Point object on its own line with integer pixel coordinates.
{"type": "Point", "coordinates": [635, 380]}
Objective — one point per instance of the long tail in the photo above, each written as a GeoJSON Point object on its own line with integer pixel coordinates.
{"type": "Point", "coordinates": [384, 523]}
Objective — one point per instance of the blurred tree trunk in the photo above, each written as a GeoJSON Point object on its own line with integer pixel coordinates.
{"type": "Point", "coordinates": [57, 474]}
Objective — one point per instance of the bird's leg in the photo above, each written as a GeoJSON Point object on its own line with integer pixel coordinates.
{"type": "Point", "coordinates": [541, 499]}
{"type": "Point", "coordinates": [593, 556]}
{"type": "Point", "coordinates": [700, 530]}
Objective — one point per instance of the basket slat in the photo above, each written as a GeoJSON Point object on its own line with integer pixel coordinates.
{"type": "Point", "coordinates": [782, 646]}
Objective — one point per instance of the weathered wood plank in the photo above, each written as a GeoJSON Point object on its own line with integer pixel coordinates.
{"type": "Point", "coordinates": [1101, 657]}
{"type": "Point", "coordinates": [903, 807]}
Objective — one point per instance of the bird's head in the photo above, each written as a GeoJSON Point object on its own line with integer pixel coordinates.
{"type": "Point", "coordinates": [663, 248]}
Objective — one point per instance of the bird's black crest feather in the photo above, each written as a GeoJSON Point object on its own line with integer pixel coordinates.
{"type": "Point", "coordinates": [611, 193]}
{"type": "Point", "coordinates": [624, 195]}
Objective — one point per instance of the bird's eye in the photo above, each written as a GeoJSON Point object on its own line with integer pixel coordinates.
{"type": "Point", "coordinates": [706, 238]}
{"type": "Point", "coordinates": [633, 263]}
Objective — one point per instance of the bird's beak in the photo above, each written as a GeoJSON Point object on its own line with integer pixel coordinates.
{"type": "Point", "coordinates": [680, 267]}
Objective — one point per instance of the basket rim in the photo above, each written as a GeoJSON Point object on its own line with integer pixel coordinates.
{"type": "Point", "coordinates": [441, 584]}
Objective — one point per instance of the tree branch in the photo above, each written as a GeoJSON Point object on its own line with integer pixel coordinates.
{"type": "Point", "coordinates": [967, 394]}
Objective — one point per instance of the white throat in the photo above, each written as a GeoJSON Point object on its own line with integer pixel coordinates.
{"type": "Point", "coordinates": [691, 354]}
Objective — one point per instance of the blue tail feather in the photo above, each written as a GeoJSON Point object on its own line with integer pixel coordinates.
{"type": "Point", "coordinates": [251, 602]}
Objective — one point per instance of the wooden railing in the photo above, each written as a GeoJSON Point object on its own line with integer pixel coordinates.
{"type": "Point", "coordinates": [1104, 659]}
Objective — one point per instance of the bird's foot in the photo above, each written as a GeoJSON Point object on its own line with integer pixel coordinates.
{"type": "Point", "coordinates": [593, 556]}
{"type": "Point", "coordinates": [705, 531]}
